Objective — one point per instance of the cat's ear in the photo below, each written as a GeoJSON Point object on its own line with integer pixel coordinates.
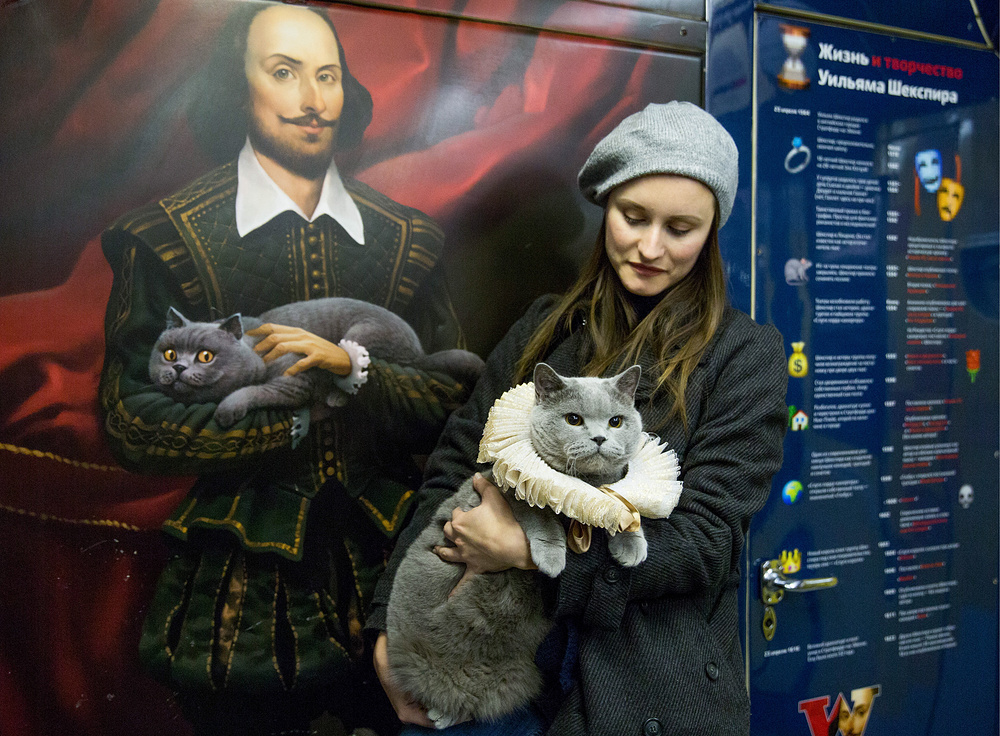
{"type": "Point", "coordinates": [628, 381]}
{"type": "Point", "coordinates": [233, 325]}
{"type": "Point", "coordinates": [175, 319]}
{"type": "Point", "coordinates": [546, 381]}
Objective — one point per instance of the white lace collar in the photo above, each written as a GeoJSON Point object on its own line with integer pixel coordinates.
{"type": "Point", "coordinates": [651, 485]}
{"type": "Point", "coordinates": [259, 200]}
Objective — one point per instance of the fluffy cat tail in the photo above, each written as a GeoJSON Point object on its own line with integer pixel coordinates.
{"type": "Point", "coordinates": [462, 365]}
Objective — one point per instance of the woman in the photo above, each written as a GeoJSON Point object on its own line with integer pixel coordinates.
{"type": "Point", "coordinates": [655, 648]}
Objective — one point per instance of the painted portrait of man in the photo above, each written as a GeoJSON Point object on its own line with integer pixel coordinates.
{"type": "Point", "coordinates": [312, 521]}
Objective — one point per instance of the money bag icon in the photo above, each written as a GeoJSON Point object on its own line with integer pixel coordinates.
{"type": "Point", "coordinates": [798, 364]}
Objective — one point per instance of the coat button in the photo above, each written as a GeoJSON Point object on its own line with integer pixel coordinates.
{"type": "Point", "coordinates": [712, 670]}
{"type": "Point", "coordinates": [652, 727]}
{"type": "Point", "coordinates": [612, 575]}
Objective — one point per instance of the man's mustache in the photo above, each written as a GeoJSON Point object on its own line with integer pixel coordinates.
{"type": "Point", "coordinates": [310, 119]}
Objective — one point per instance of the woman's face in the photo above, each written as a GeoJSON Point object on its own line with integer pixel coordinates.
{"type": "Point", "coordinates": [655, 228]}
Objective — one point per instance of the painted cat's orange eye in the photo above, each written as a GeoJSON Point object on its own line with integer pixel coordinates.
{"type": "Point", "coordinates": [205, 356]}
{"type": "Point", "coordinates": [170, 354]}
{"type": "Point", "coordinates": [574, 419]}
{"type": "Point", "coordinates": [615, 422]}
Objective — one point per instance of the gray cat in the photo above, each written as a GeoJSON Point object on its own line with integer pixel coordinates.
{"type": "Point", "coordinates": [471, 654]}
{"type": "Point", "coordinates": [200, 362]}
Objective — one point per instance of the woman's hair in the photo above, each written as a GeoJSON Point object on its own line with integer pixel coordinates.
{"type": "Point", "coordinates": [675, 333]}
{"type": "Point", "coordinates": [218, 114]}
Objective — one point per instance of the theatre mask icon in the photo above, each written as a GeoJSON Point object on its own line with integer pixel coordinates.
{"type": "Point", "coordinates": [927, 165]}
{"type": "Point", "coordinates": [949, 199]}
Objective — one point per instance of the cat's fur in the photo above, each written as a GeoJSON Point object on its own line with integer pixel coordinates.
{"type": "Point", "coordinates": [239, 380]}
{"type": "Point", "coordinates": [471, 655]}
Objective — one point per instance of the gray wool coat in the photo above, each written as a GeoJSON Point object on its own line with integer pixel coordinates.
{"type": "Point", "coordinates": [659, 648]}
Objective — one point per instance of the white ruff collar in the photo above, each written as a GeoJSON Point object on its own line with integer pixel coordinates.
{"type": "Point", "coordinates": [651, 484]}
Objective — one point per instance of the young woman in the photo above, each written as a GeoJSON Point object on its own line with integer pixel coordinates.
{"type": "Point", "coordinates": [652, 649]}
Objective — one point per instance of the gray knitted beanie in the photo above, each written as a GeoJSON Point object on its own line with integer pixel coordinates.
{"type": "Point", "coordinates": [675, 138]}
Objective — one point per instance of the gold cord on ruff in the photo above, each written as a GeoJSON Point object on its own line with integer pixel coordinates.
{"type": "Point", "coordinates": [650, 488]}
{"type": "Point", "coordinates": [579, 535]}
{"type": "Point", "coordinates": [634, 525]}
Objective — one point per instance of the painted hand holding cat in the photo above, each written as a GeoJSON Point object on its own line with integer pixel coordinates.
{"type": "Point", "coordinates": [280, 340]}
{"type": "Point", "coordinates": [317, 353]}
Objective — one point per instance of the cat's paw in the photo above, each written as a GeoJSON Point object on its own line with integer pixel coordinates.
{"type": "Point", "coordinates": [300, 426]}
{"type": "Point", "coordinates": [628, 548]}
{"type": "Point", "coordinates": [550, 558]}
{"type": "Point", "coordinates": [442, 719]}
{"type": "Point", "coordinates": [228, 412]}
{"type": "Point", "coordinates": [336, 398]}
{"type": "Point", "coordinates": [358, 376]}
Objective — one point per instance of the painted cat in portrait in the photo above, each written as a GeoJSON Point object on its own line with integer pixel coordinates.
{"type": "Point", "coordinates": [214, 362]}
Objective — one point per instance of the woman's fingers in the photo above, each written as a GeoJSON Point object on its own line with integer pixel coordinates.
{"type": "Point", "coordinates": [484, 487]}
{"type": "Point", "coordinates": [448, 554]}
{"type": "Point", "coordinates": [407, 709]}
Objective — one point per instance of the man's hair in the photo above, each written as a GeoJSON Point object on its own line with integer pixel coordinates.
{"type": "Point", "coordinates": [219, 112]}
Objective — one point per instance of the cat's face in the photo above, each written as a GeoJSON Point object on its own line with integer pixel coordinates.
{"type": "Point", "coordinates": [198, 362]}
{"type": "Point", "coordinates": [586, 427]}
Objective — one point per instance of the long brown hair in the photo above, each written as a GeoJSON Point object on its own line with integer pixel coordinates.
{"type": "Point", "coordinates": [677, 331]}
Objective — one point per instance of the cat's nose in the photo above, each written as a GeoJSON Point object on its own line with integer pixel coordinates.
{"type": "Point", "coordinates": [598, 440]}
{"type": "Point", "coordinates": [179, 368]}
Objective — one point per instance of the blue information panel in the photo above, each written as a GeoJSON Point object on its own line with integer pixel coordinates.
{"type": "Point", "coordinates": [955, 20]}
{"type": "Point", "coordinates": [877, 221]}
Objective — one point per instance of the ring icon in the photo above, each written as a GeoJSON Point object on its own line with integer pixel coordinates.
{"type": "Point", "coordinates": [799, 157]}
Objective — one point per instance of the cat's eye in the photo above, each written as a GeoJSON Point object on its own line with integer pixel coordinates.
{"type": "Point", "coordinates": [206, 356]}
{"type": "Point", "coordinates": [574, 419]}
{"type": "Point", "coordinates": [615, 422]}
{"type": "Point", "coordinates": [170, 354]}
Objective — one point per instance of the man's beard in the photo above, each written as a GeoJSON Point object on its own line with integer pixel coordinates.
{"type": "Point", "coordinates": [310, 165]}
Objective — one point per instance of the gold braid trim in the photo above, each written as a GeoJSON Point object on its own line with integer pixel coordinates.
{"type": "Point", "coordinates": [174, 440]}
{"type": "Point", "coordinates": [59, 459]}
{"type": "Point", "coordinates": [113, 523]}
{"type": "Point", "coordinates": [389, 524]}
{"type": "Point", "coordinates": [183, 524]}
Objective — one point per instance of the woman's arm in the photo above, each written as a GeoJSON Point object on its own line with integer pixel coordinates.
{"type": "Point", "coordinates": [407, 709]}
{"type": "Point", "coordinates": [727, 469]}
{"type": "Point", "coordinates": [452, 462]}
{"type": "Point", "coordinates": [454, 459]}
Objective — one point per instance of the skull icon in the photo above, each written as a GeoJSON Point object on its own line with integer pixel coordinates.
{"type": "Point", "coordinates": [965, 496]}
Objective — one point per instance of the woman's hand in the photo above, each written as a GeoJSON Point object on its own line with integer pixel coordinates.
{"type": "Point", "coordinates": [317, 352]}
{"type": "Point", "coordinates": [407, 709]}
{"type": "Point", "coordinates": [486, 538]}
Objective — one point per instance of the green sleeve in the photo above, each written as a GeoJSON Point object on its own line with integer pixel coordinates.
{"type": "Point", "coordinates": [148, 431]}
{"type": "Point", "coordinates": [419, 401]}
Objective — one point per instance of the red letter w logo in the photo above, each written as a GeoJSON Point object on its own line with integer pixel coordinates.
{"type": "Point", "coordinates": [849, 722]}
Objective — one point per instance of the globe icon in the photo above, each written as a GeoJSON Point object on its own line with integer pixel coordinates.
{"type": "Point", "coordinates": [790, 493]}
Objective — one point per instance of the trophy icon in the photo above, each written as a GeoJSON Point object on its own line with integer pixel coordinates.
{"type": "Point", "coordinates": [793, 71]}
